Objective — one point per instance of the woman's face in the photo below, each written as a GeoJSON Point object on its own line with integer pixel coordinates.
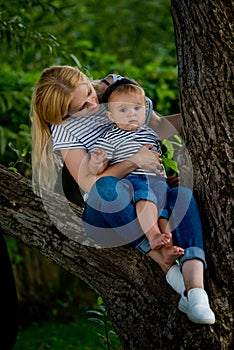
{"type": "Point", "coordinates": [84, 100]}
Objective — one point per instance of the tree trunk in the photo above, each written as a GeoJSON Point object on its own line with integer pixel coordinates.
{"type": "Point", "coordinates": [132, 286]}
{"type": "Point", "coordinates": [204, 39]}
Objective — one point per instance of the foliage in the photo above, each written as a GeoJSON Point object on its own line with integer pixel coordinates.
{"type": "Point", "coordinates": [13, 251]}
{"type": "Point", "coordinates": [16, 146]}
{"type": "Point", "coordinates": [135, 33]}
{"type": "Point", "coordinates": [19, 30]}
{"type": "Point", "coordinates": [139, 45]}
{"type": "Point", "coordinates": [107, 335]}
{"type": "Point", "coordinates": [15, 95]}
{"type": "Point", "coordinates": [169, 148]}
{"type": "Point", "coordinates": [78, 335]}
{"type": "Point", "coordinates": [88, 29]}
{"type": "Point", "coordinates": [23, 154]}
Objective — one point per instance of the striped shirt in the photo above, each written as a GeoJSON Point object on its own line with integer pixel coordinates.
{"type": "Point", "coordinates": [83, 132]}
{"type": "Point", "coordinates": [121, 144]}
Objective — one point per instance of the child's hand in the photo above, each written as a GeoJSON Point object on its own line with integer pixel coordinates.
{"type": "Point", "coordinates": [98, 155]}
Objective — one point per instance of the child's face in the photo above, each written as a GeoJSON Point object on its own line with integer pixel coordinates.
{"type": "Point", "coordinates": [127, 110]}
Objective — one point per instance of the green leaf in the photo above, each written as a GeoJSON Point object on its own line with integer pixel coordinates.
{"type": "Point", "coordinates": [99, 301]}
{"type": "Point", "coordinates": [95, 312]}
{"type": "Point", "coordinates": [170, 164]}
{"type": "Point", "coordinates": [14, 149]}
{"type": "Point", "coordinates": [169, 146]}
{"type": "Point", "coordinates": [97, 320]}
{"type": "Point", "coordinates": [13, 169]}
{"type": "Point", "coordinates": [24, 152]}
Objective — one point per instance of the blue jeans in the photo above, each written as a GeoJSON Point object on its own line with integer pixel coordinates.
{"type": "Point", "coordinates": [110, 218]}
{"type": "Point", "coordinates": [150, 188]}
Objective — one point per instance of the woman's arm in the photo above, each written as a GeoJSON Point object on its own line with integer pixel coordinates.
{"type": "Point", "coordinates": [101, 86]}
{"type": "Point", "coordinates": [77, 162]}
{"type": "Point", "coordinates": [166, 126]}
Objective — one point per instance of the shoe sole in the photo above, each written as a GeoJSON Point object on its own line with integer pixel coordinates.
{"type": "Point", "coordinates": [201, 321]}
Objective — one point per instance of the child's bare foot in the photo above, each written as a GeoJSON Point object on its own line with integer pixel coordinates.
{"type": "Point", "coordinates": [159, 239]}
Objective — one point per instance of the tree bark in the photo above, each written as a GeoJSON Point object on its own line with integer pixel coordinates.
{"type": "Point", "coordinates": [132, 286]}
{"type": "Point", "coordinates": [205, 48]}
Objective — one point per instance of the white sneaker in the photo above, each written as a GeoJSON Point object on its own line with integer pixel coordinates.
{"type": "Point", "coordinates": [174, 277]}
{"type": "Point", "coordinates": [196, 306]}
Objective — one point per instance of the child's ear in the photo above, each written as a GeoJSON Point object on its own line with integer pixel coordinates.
{"type": "Point", "coordinates": [109, 115]}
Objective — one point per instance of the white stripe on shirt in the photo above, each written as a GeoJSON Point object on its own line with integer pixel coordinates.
{"type": "Point", "coordinates": [121, 144]}
{"type": "Point", "coordinates": [83, 132]}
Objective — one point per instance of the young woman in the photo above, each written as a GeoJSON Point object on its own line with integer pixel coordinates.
{"type": "Point", "coordinates": [67, 117]}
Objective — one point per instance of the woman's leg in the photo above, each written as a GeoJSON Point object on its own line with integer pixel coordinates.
{"type": "Point", "coordinates": [188, 233]}
{"type": "Point", "coordinates": [110, 220]}
{"type": "Point", "coordinates": [110, 215]}
{"type": "Point", "coordinates": [193, 271]}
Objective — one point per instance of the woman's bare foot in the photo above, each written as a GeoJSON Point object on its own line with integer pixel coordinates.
{"type": "Point", "coordinates": [166, 256]}
{"type": "Point", "coordinates": [171, 253]}
{"type": "Point", "coordinates": [157, 240]}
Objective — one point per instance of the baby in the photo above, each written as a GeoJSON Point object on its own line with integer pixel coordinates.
{"type": "Point", "coordinates": [126, 135]}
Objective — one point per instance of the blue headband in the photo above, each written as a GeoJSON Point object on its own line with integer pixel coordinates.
{"type": "Point", "coordinates": [113, 86]}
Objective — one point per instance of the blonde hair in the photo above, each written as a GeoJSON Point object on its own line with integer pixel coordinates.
{"type": "Point", "coordinates": [50, 103]}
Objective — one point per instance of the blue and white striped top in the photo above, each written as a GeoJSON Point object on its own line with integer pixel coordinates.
{"type": "Point", "coordinates": [83, 132]}
{"type": "Point", "coordinates": [121, 144]}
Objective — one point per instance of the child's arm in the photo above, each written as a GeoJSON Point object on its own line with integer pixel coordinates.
{"type": "Point", "coordinates": [97, 161]}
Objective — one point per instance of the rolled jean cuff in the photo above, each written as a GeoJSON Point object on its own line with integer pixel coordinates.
{"type": "Point", "coordinates": [142, 195]}
{"type": "Point", "coordinates": [164, 214]}
{"type": "Point", "coordinates": [142, 245]}
{"type": "Point", "coordinates": [193, 253]}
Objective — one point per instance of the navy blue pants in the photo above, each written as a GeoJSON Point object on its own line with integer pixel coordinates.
{"type": "Point", "coordinates": [110, 218]}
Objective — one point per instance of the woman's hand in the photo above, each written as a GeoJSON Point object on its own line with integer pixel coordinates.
{"type": "Point", "coordinates": [147, 159]}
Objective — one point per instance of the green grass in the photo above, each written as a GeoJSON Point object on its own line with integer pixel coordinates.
{"type": "Point", "coordinates": [78, 335]}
